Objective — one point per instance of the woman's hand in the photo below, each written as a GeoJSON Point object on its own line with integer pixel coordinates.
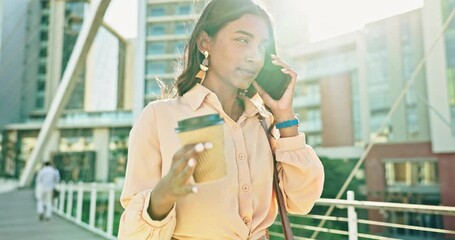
{"type": "Point", "coordinates": [176, 184]}
{"type": "Point", "coordinates": [282, 108]}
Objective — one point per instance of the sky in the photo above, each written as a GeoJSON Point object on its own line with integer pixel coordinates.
{"type": "Point", "coordinates": [329, 18]}
{"type": "Point", "coordinates": [326, 18]}
{"type": "Point", "coordinates": [122, 16]}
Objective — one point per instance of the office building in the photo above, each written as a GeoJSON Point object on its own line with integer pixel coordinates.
{"type": "Point", "coordinates": [89, 142]}
{"type": "Point", "coordinates": [164, 28]}
{"type": "Point", "coordinates": [349, 84]}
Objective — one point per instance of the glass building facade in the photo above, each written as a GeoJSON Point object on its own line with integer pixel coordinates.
{"type": "Point", "coordinates": [394, 50]}
{"type": "Point", "coordinates": [89, 140]}
{"type": "Point", "coordinates": [168, 25]}
{"type": "Point", "coordinates": [328, 64]}
{"type": "Point", "coordinates": [43, 53]}
{"type": "Point", "coordinates": [447, 7]}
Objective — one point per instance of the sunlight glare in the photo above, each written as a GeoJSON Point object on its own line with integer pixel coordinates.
{"type": "Point", "coordinates": [329, 18]}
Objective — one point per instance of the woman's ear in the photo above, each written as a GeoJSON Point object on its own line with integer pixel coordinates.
{"type": "Point", "coordinates": [203, 42]}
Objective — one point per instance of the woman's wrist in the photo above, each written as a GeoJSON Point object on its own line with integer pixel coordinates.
{"type": "Point", "coordinates": [160, 203]}
{"type": "Point", "coordinates": [286, 123]}
{"type": "Point", "coordinates": [283, 116]}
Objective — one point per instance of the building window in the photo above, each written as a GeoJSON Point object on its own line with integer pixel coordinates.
{"type": "Point", "coordinates": [43, 36]}
{"type": "Point", "coordinates": [184, 10]}
{"type": "Point", "coordinates": [42, 69]}
{"type": "Point", "coordinates": [39, 104]}
{"type": "Point", "coordinates": [76, 140]}
{"type": "Point", "coordinates": [76, 166]}
{"type": "Point", "coordinates": [411, 172]}
{"type": "Point", "coordinates": [156, 30]}
{"type": "Point", "coordinates": [41, 86]}
{"type": "Point", "coordinates": [156, 48]}
{"type": "Point", "coordinates": [45, 20]}
{"type": "Point", "coordinates": [118, 152]}
{"type": "Point", "coordinates": [45, 4]}
{"type": "Point", "coordinates": [179, 47]}
{"type": "Point", "coordinates": [156, 11]}
{"type": "Point", "coordinates": [152, 87]}
{"type": "Point", "coordinates": [412, 121]}
{"type": "Point", "coordinates": [180, 28]}
{"type": "Point", "coordinates": [156, 67]}
{"type": "Point", "coordinates": [43, 52]}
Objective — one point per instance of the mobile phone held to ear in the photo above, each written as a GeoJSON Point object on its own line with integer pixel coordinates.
{"type": "Point", "coordinates": [273, 80]}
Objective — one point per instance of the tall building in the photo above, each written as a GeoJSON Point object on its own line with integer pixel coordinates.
{"type": "Point", "coordinates": [90, 140]}
{"type": "Point", "coordinates": [14, 41]}
{"type": "Point", "coordinates": [394, 48]}
{"type": "Point", "coordinates": [440, 71]}
{"type": "Point", "coordinates": [164, 28]}
{"type": "Point", "coordinates": [328, 97]}
{"type": "Point", "coordinates": [349, 84]}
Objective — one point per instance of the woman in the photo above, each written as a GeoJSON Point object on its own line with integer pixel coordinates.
{"type": "Point", "coordinates": [230, 41]}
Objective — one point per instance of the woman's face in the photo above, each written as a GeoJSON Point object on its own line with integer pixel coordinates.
{"type": "Point", "coordinates": [237, 51]}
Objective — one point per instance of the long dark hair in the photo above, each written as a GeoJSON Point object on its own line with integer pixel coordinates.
{"type": "Point", "coordinates": [216, 14]}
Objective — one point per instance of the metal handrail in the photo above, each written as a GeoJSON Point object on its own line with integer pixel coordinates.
{"type": "Point", "coordinates": [71, 191]}
{"type": "Point", "coordinates": [403, 207]}
{"type": "Point", "coordinates": [67, 192]}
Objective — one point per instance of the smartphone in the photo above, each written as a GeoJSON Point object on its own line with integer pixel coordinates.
{"type": "Point", "coordinates": [273, 80]}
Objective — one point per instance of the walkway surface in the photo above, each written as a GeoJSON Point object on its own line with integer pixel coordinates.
{"type": "Point", "coordinates": [18, 220]}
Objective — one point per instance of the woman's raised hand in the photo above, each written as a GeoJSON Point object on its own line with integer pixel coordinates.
{"type": "Point", "coordinates": [281, 108]}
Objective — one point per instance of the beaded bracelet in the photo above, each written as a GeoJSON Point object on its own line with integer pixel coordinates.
{"type": "Point", "coordinates": [288, 123]}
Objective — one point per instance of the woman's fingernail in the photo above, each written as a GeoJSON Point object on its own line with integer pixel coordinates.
{"type": "Point", "coordinates": [194, 189]}
{"type": "Point", "coordinates": [208, 145]}
{"type": "Point", "coordinates": [199, 147]}
{"type": "Point", "coordinates": [275, 62]}
{"type": "Point", "coordinates": [285, 70]}
{"type": "Point", "coordinates": [191, 162]}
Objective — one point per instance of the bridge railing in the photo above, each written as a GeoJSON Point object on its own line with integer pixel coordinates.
{"type": "Point", "coordinates": [96, 207]}
{"type": "Point", "coordinates": [90, 205]}
{"type": "Point", "coordinates": [391, 230]}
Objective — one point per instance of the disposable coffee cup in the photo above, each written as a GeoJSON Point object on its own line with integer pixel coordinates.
{"type": "Point", "coordinates": [211, 163]}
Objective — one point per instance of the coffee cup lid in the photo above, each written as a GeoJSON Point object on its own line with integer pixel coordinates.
{"type": "Point", "coordinates": [198, 122]}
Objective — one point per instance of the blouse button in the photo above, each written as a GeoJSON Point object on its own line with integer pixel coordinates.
{"type": "Point", "coordinates": [236, 127]}
{"type": "Point", "coordinates": [245, 188]}
{"type": "Point", "coordinates": [241, 156]}
{"type": "Point", "coordinates": [246, 220]}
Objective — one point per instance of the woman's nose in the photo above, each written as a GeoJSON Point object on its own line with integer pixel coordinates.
{"type": "Point", "coordinates": [254, 55]}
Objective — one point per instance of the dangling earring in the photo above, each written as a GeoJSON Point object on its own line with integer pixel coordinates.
{"type": "Point", "coordinates": [204, 66]}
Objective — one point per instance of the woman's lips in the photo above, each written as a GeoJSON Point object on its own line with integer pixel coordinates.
{"type": "Point", "coordinates": [247, 72]}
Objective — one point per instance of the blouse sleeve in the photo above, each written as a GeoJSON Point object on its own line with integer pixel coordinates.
{"type": "Point", "coordinates": [143, 172]}
{"type": "Point", "coordinates": [300, 173]}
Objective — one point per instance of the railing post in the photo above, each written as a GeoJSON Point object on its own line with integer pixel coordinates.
{"type": "Point", "coordinates": [61, 201]}
{"type": "Point", "coordinates": [352, 218]}
{"type": "Point", "coordinates": [80, 195]}
{"type": "Point", "coordinates": [69, 203]}
{"type": "Point", "coordinates": [110, 209]}
{"type": "Point", "coordinates": [92, 205]}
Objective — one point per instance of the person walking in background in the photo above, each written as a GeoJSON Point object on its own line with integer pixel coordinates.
{"type": "Point", "coordinates": [46, 180]}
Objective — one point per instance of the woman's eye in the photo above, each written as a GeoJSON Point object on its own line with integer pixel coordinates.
{"type": "Point", "coordinates": [242, 40]}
